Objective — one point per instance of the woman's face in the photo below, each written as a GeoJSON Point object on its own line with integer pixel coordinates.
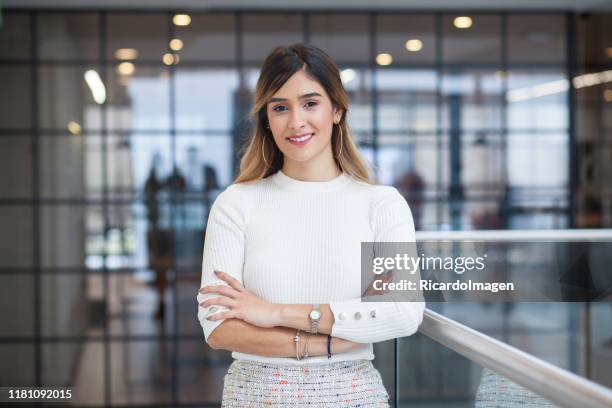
{"type": "Point", "coordinates": [301, 117]}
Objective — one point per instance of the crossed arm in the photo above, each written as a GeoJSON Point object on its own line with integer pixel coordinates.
{"type": "Point", "coordinates": [254, 326]}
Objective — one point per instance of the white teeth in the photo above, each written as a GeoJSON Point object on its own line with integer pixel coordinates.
{"type": "Point", "coordinates": [300, 139]}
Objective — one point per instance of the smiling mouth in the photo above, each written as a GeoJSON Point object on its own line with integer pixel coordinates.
{"type": "Point", "coordinates": [301, 139]}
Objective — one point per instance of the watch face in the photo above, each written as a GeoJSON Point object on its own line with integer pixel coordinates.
{"type": "Point", "coordinates": [315, 315]}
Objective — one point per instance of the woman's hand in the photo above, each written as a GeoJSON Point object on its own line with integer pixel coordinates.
{"type": "Point", "coordinates": [243, 304]}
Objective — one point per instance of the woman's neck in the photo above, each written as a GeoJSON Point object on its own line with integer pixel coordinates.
{"type": "Point", "coordinates": [312, 170]}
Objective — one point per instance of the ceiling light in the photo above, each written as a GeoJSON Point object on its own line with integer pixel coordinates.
{"type": "Point", "coordinates": [347, 75]}
{"type": "Point", "coordinates": [96, 86]}
{"type": "Point", "coordinates": [414, 45]}
{"type": "Point", "coordinates": [462, 22]}
{"type": "Point", "coordinates": [74, 128]}
{"type": "Point", "coordinates": [181, 20]}
{"type": "Point", "coordinates": [126, 54]}
{"type": "Point", "coordinates": [170, 59]}
{"type": "Point", "coordinates": [176, 44]}
{"type": "Point", "coordinates": [384, 59]}
{"type": "Point", "coordinates": [125, 68]}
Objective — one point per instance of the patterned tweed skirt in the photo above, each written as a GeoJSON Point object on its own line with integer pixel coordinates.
{"type": "Point", "coordinates": [340, 384]}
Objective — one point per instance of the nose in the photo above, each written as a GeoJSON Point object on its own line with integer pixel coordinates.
{"type": "Point", "coordinates": [296, 121]}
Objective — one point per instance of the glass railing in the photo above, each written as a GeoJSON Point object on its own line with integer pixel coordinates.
{"type": "Point", "coordinates": [506, 354]}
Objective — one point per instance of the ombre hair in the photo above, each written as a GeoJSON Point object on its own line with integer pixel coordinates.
{"type": "Point", "coordinates": [262, 156]}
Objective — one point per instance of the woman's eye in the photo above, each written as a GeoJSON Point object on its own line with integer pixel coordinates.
{"type": "Point", "coordinates": [308, 104]}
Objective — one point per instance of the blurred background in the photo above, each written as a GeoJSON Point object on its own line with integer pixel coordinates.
{"type": "Point", "coordinates": [120, 122]}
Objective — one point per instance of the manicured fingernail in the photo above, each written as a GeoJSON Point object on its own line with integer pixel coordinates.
{"type": "Point", "coordinates": [217, 273]}
{"type": "Point", "coordinates": [202, 304]}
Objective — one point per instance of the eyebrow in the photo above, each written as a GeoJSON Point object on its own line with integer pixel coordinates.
{"type": "Point", "coordinates": [308, 95]}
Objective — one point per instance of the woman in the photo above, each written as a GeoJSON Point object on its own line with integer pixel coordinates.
{"type": "Point", "coordinates": [281, 283]}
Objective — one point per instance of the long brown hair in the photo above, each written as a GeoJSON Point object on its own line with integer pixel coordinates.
{"type": "Point", "coordinates": [262, 156]}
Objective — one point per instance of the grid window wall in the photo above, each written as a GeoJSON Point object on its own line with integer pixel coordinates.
{"type": "Point", "coordinates": [118, 130]}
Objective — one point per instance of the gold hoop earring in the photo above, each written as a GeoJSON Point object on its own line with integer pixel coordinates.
{"type": "Point", "coordinates": [340, 130]}
{"type": "Point", "coordinates": [263, 150]}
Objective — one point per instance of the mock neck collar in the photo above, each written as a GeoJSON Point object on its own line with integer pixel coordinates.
{"type": "Point", "coordinates": [287, 182]}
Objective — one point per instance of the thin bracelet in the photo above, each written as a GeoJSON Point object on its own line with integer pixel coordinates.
{"type": "Point", "coordinates": [306, 345]}
{"type": "Point", "coordinates": [296, 339]}
{"type": "Point", "coordinates": [329, 354]}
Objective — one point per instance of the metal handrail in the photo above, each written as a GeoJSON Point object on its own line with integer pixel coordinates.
{"type": "Point", "coordinates": [517, 235]}
{"type": "Point", "coordinates": [547, 380]}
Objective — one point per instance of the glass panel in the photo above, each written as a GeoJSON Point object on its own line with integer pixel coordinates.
{"type": "Point", "coordinates": [360, 118]}
{"type": "Point", "coordinates": [126, 241]}
{"type": "Point", "coordinates": [408, 38]}
{"type": "Point", "coordinates": [15, 41]}
{"type": "Point", "coordinates": [17, 365]}
{"type": "Point", "coordinates": [134, 158]}
{"type": "Point", "coordinates": [482, 161]}
{"type": "Point", "coordinates": [64, 305]}
{"type": "Point", "coordinates": [538, 160]}
{"type": "Point", "coordinates": [407, 100]}
{"type": "Point", "coordinates": [147, 33]}
{"type": "Point", "coordinates": [68, 36]}
{"type": "Point", "coordinates": [141, 304]}
{"type": "Point", "coordinates": [594, 38]}
{"type": "Point", "coordinates": [16, 97]}
{"type": "Point", "coordinates": [78, 365]}
{"type": "Point", "coordinates": [263, 32]}
{"type": "Point", "coordinates": [141, 372]}
{"type": "Point", "coordinates": [61, 165]}
{"type": "Point", "coordinates": [62, 235]}
{"type": "Point", "coordinates": [600, 359]}
{"type": "Point", "coordinates": [209, 37]}
{"type": "Point", "coordinates": [206, 99]}
{"type": "Point", "coordinates": [16, 159]}
{"type": "Point", "coordinates": [471, 100]}
{"type": "Point", "coordinates": [343, 37]}
{"type": "Point", "coordinates": [188, 286]}
{"type": "Point", "coordinates": [537, 99]}
{"type": "Point", "coordinates": [201, 370]}
{"type": "Point", "coordinates": [435, 216]}
{"type": "Point", "coordinates": [456, 381]}
{"type": "Point", "coordinates": [16, 238]}
{"type": "Point", "coordinates": [65, 97]}
{"type": "Point", "coordinates": [139, 100]}
{"type": "Point", "coordinates": [205, 161]}
{"type": "Point", "coordinates": [17, 294]}
{"type": "Point", "coordinates": [536, 38]}
{"type": "Point", "coordinates": [479, 43]}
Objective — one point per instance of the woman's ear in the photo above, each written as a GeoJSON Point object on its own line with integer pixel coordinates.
{"type": "Point", "coordinates": [338, 115]}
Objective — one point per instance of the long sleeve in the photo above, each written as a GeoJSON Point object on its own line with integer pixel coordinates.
{"type": "Point", "coordinates": [371, 322]}
{"type": "Point", "coordinates": [224, 247]}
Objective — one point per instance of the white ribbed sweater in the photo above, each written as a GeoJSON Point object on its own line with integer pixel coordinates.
{"type": "Point", "coordinates": [291, 241]}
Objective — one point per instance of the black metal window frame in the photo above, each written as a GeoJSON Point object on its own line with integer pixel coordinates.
{"type": "Point", "coordinates": [36, 133]}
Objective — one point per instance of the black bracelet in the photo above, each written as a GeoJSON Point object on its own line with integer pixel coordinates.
{"type": "Point", "coordinates": [329, 346]}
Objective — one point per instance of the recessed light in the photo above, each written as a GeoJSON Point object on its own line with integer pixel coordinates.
{"type": "Point", "coordinates": [414, 45]}
{"type": "Point", "coordinates": [176, 44]}
{"type": "Point", "coordinates": [74, 128]}
{"type": "Point", "coordinates": [384, 59]}
{"type": "Point", "coordinates": [126, 54]}
{"type": "Point", "coordinates": [126, 68]}
{"type": "Point", "coordinates": [181, 20]}
{"type": "Point", "coordinates": [462, 22]}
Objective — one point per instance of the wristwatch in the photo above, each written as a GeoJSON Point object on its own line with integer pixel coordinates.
{"type": "Point", "coordinates": [315, 316]}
